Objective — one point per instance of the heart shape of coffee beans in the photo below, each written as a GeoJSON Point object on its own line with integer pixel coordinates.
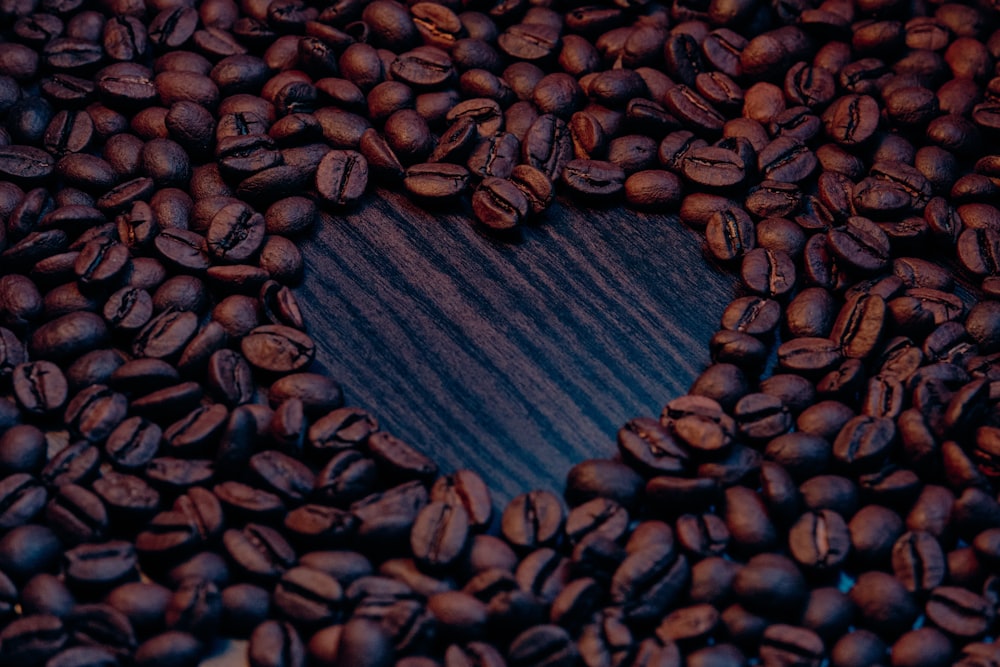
{"type": "Point", "coordinates": [824, 494]}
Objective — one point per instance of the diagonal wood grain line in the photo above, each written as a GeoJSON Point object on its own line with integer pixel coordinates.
{"type": "Point", "coordinates": [515, 359]}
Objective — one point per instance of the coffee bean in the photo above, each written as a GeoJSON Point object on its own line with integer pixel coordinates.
{"type": "Point", "coordinates": [94, 567]}
{"type": "Point", "coordinates": [713, 167]}
{"type": "Point", "coordinates": [770, 273]}
{"type": "Point", "coordinates": [436, 181]}
{"type": "Point", "coordinates": [593, 178]}
{"type": "Point", "coordinates": [547, 146]}
{"type": "Point", "coordinates": [545, 644]}
{"type": "Point", "coordinates": [532, 520]}
{"type": "Point", "coordinates": [851, 119]}
{"type": "Point", "coordinates": [75, 463]}
{"type": "Point", "coordinates": [648, 581]}
{"type": "Point", "coordinates": [819, 540]}
{"type": "Point", "coordinates": [859, 326]}
{"type": "Point", "coordinates": [23, 497]}
{"type": "Point", "coordinates": [730, 234]}
{"type": "Point", "coordinates": [439, 534]}
{"type": "Point", "coordinates": [341, 428]}
{"type": "Point", "coordinates": [172, 647]}
{"type": "Point", "coordinates": [809, 355]}
{"type": "Point", "coordinates": [693, 110]}
{"type": "Point", "coordinates": [959, 612]}
{"type": "Point", "coordinates": [133, 443]}
{"type": "Point", "coordinates": [467, 489]}
{"type": "Point", "coordinates": [883, 603]}
{"type": "Point", "coordinates": [258, 551]}
{"type": "Point", "coordinates": [918, 561]}
{"type": "Point", "coordinates": [235, 233]}
{"type": "Point", "coordinates": [786, 642]}
{"type": "Point", "coordinates": [40, 387]}
{"type": "Point", "coordinates": [499, 204]}
{"type": "Point", "coordinates": [860, 647]}
{"type": "Point", "coordinates": [388, 516]}
{"type": "Point", "coordinates": [278, 348]}
{"type": "Point", "coordinates": [69, 336]}
{"type": "Point", "coordinates": [309, 597]}
{"type": "Point", "coordinates": [34, 638]}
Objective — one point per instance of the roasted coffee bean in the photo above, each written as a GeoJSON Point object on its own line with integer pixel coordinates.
{"type": "Point", "coordinates": [650, 447]}
{"type": "Point", "coordinates": [526, 41]}
{"type": "Point", "coordinates": [389, 515]}
{"type": "Point", "coordinates": [959, 612]}
{"type": "Point", "coordinates": [24, 498]}
{"type": "Point", "coordinates": [771, 584]}
{"type": "Point", "coordinates": [77, 515]}
{"type": "Point", "coordinates": [532, 520]}
{"type": "Point", "coordinates": [730, 234]}
{"type": "Point", "coordinates": [128, 499]}
{"type": "Point", "coordinates": [439, 534]}
{"type": "Point", "coordinates": [874, 530]}
{"type": "Point", "coordinates": [34, 639]}
{"type": "Point", "coordinates": [97, 566]}
{"type": "Point", "coordinates": [499, 204]}
{"type": "Point", "coordinates": [819, 540]}
{"type": "Point", "coordinates": [40, 387]}
{"type": "Point", "coordinates": [340, 429]}
{"type": "Point", "coordinates": [693, 110]}
{"type": "Point", "coordinates": [258, 551]}
{"type": "Point", "coordinates": [861, 647]}
{"type": "Point", "coordinates": [309, 597]}
{"type": "Point", "coordinates": [101, 624]}
{"type": "Point", "coordinates": [184, 249]}
{"type": "Point", "coordinates": [342, 177]}
{"type": "Point", "coordinates": [347, 477]}
{"type": "Point", "coordinates": [466, 489]}
{"type": "Point", "coordinates": [598, 478]}
{"type": "Point", "coordinates": [281, 474]}
{"type": "Point", "coordinates": [95, 412]}
{"type": "Point", "coordinates": [165, 335]}
{"type": "Point", "coordinates": [78, 462]}
{"type": "Point", "coordinates": [852, 119]}
{"type": "Point", "coordinates": [918, 561]}
{"type": "Point", "coordinates": [69, 336]}
{"type": "Point", "coordinates": [436, 181]}
{"type": "Point", "coordinates": [713, 167]}
{"type": "Point", "coordinates": [547, 146]}
{"type": "Point", "coordinates": [129, 309]}
{"type": "Point", "coordinates": [752, 315]}
{"type": "Point", "coordinates": [702, 535]}
{"type": "Point", "coordinates": [593, 178]}
{"type": "Point", "coordinates": [278, 348]}
{"type": "Point", "coordinates": [143, 375]}
{"type": "Point", "coordinates": [235, 233]}
{"type": "Point", "coordinates": [790, 643]}
{"type": "Point", "coordinates": [494, 156]}
{"type": "Point", "coordinates": [486, 113]}
{"type": "Point", "coordinates": [544, 644]}
{"type": "Point", "coordinates": [170, 647]}
{"type": "Point", "coordinates": [770, 273]}
{"type": "Point", "coordinates": [648, 581]}
{"type": "Point", "coordinates": [883, 603]}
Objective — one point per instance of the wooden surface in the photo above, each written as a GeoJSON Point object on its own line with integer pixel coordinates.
{"type": "Point", "coordinates": [515, 359]}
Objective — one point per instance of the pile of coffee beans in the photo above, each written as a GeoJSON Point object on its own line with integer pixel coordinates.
{"type": "Point", "coordinates": [172, 472]}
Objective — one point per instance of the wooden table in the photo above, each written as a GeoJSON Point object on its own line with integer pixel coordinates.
{"type": "Point", "coordinates": [514, 359]}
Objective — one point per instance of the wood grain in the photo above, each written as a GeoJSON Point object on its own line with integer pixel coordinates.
{"type": "Point", "coordinates": [515, 359]}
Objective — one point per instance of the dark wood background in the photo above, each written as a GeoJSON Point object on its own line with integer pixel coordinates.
{"type": "Point", "coordinates": [516, 359]}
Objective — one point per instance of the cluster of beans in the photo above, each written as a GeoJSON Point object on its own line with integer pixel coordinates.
{"type": "Point", "coordinates": [832, 501]}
